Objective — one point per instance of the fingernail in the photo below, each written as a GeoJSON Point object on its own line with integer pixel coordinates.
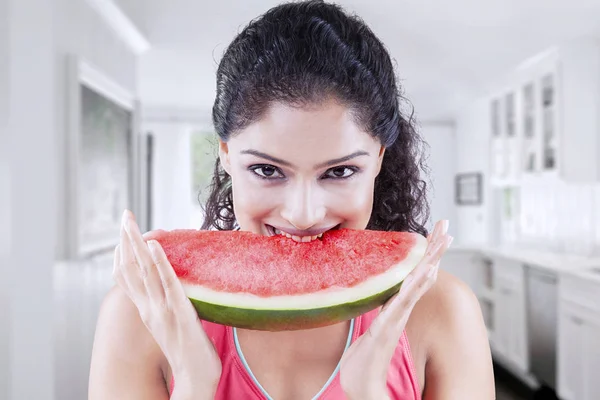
{"type": "Point", "coordinates": [446, 225]}
{"type": "Point", "coordinates": [432, 271]}
{"type": "Point", "coordinates": [125, 220]}
{"type": "Point", "coordinates": [153, 249]}
{"type": "Point", "coordinates": [117, 252]}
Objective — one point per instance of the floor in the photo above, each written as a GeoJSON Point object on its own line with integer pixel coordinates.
{"type": "Point", "coordinates": [510, 388]}
{"type": "Point", "coordinates": [504, 392]}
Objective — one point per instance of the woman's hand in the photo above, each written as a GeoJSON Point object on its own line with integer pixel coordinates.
{"type": "Point", "coordinates": [142, 270]}
{"type": "Point", "coordinates": [364, 367]}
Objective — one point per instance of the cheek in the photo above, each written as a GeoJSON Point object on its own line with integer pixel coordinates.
{"type": "Point", "coordinates": [249, 200]}
{"type": "Point", "coordinates": [354, 205]}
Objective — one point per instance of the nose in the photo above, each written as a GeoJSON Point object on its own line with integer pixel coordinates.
{"type": "Point", "coordinates": [304, 206]}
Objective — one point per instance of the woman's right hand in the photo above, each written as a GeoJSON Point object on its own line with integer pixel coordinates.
{"type": "Point", "coordinates": [143, 271]}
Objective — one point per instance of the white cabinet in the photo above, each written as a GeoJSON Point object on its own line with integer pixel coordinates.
{"type": "Point", "coordinates": [579, 101]}
{"type": "Point", "coordinates": [539, 114]}
{"type": "Point", "coordinates": [529, 154]}
{"type": "Point", "coordinates": [579, 353]}
{"type": "Point", "coordinates": [579, 340]}
{"type": "Point", "coordinates": [509, 337]}
{"type": "Point", "coordinates": [592, 384]}
{"type": "Point", "coordinates": [503, 327]}
{"type": "Point", "coordinates": [465, 265]}
{"type": "Point", "coordinates": [476, 271]}
{"type": "Point", "coordinates": [546, 118]}
{"type": "Point", "coordinates": [506, 138]}
{"type": "Point", "coordinates": [570, 355]}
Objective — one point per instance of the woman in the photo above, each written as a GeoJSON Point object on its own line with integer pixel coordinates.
{"type": "Point", "coordinates": [312, 138]}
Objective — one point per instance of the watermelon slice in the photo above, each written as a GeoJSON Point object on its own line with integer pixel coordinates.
{"type": "Point", "coordinates": [273, 283]}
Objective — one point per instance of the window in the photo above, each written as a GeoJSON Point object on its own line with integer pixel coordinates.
{"type": "Point", "coordinates": [204, 153]}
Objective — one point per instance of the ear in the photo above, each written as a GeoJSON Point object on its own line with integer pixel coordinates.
{"type": "Point", "coordinates": [224, 156]}
{"type": "Point", "coordinates": [380, 159]}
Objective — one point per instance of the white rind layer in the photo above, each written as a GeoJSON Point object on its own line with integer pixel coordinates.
{"type": "Point", "coordinates": [321, 299]}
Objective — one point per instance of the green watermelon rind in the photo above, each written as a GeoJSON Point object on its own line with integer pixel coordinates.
{"type": "Point", "coordinates": [279, 320]}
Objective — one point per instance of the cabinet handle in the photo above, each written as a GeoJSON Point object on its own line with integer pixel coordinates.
{"type": "Point", "coordinates": [576, 320]}
{"type": "Point", "coordinates": [545, 278]}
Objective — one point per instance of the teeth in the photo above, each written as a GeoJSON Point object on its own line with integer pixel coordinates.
{"type": "Point", "coordinates": [302, 239]}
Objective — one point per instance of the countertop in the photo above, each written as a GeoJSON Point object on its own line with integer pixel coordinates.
{"type": "Point", "coordinates": [587, 274]}
{"type": "Point", "coordinates": [558, 262]}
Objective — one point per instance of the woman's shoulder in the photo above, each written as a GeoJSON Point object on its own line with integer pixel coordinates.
{"type": "Point", "coordinates": [451, 297]}
{"type": "Point", "coordinates": [449, 308]}
{"type": "Point", "coordinates": [121, 329]}
{"type": "Point", "coordinates": [446, 326]}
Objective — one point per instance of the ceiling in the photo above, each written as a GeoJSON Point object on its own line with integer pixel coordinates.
{"type": "Point", "coordinates": [448, 53]}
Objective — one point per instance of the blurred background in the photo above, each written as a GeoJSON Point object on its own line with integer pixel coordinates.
{"type": "Point", "coordinates": [106, 104]}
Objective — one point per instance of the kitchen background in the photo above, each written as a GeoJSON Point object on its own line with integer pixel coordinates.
{"type": "Point", "coordinates": [106, 104]}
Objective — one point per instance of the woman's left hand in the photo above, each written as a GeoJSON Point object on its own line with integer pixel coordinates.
{"type": "Point", "coordinates": [364, 366]}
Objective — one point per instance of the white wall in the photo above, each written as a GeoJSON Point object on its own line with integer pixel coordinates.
{"type": "Point", "coordinates": [80, 287]}
{"type": "Point", "coordinates": [441, 139]}
{"type": "Point", "coordinates": [472, 134]}
{"type": "Point", "coordinates": [32, 154]}
{"type": "Point", "coordinates": [185, 79]}
{"type": "Point", "coordinates": [81, 31]}
{"type": "Point", "coordinates": [5, 224]}
{"type": "Point", "coordinates": [49, 352]}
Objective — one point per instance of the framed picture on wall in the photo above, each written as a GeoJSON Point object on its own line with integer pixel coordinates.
{"type": "Point", "coordinates": [469, 189]}
{"type": "Point", "coordinates": [101, 159]}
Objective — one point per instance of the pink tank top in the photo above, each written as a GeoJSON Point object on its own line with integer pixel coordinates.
{"type": "Point", "coordinates": [238, 382]}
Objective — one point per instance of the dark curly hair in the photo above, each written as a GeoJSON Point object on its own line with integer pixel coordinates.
{"type": "Point", "coordinates": [302, 53]}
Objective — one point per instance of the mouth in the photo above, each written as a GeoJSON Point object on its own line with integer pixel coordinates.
{"type": "Point", "coordinates": [299, 236]}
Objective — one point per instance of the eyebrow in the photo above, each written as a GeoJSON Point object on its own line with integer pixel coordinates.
{"type": "Point", "coordinates": [288, 164]}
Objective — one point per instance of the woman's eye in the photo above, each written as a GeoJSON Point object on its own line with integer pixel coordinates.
{"type": "Point", "coordinates": [266, 171]}
{"type": "Point", "coordinates": [340, 172]}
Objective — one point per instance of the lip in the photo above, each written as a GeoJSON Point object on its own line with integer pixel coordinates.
{"type": "Point", "coordinates": [303, 233]}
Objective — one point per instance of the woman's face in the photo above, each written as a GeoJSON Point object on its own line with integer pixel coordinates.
{"type": "Point", "coordinates": [302, 171]}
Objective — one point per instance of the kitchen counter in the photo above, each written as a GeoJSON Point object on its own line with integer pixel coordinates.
{"type": "Point", "coordinates": [591, 274]}
{"type": "Point", "coordinates": [543, 327]}
{"type": "Point", "coordinates": [557, 262]}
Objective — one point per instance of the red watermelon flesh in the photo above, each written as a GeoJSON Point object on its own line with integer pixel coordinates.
{"type": "Point", "coordinates": [278, 266]}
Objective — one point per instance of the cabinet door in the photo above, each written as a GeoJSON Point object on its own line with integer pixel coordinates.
{"type": "Point", "coordinates": [591, 371]}
{"type": "Point", "coordinates": [459, 264]}
{"type": "Point", "coordinates": [531, 145]}
{"type": "Point", "coordinates": [549, 119]}
{"type": "Point", "coordinates": [468, 266]}
{"type": "Point", "coordinates": [518, 339]}
{"type": "Point", "coordinates": [511, 127]}
{"type": "Point", "coordinates": [571, 356]}
{"type": "Point", "coordinates": [498, 141]}
{"type": "Point", "coordinates": [503, 329]}
{"type": "Point", "coordinates": [511, 326]}
{"type": "Point", "coordinates": [500, 333]}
